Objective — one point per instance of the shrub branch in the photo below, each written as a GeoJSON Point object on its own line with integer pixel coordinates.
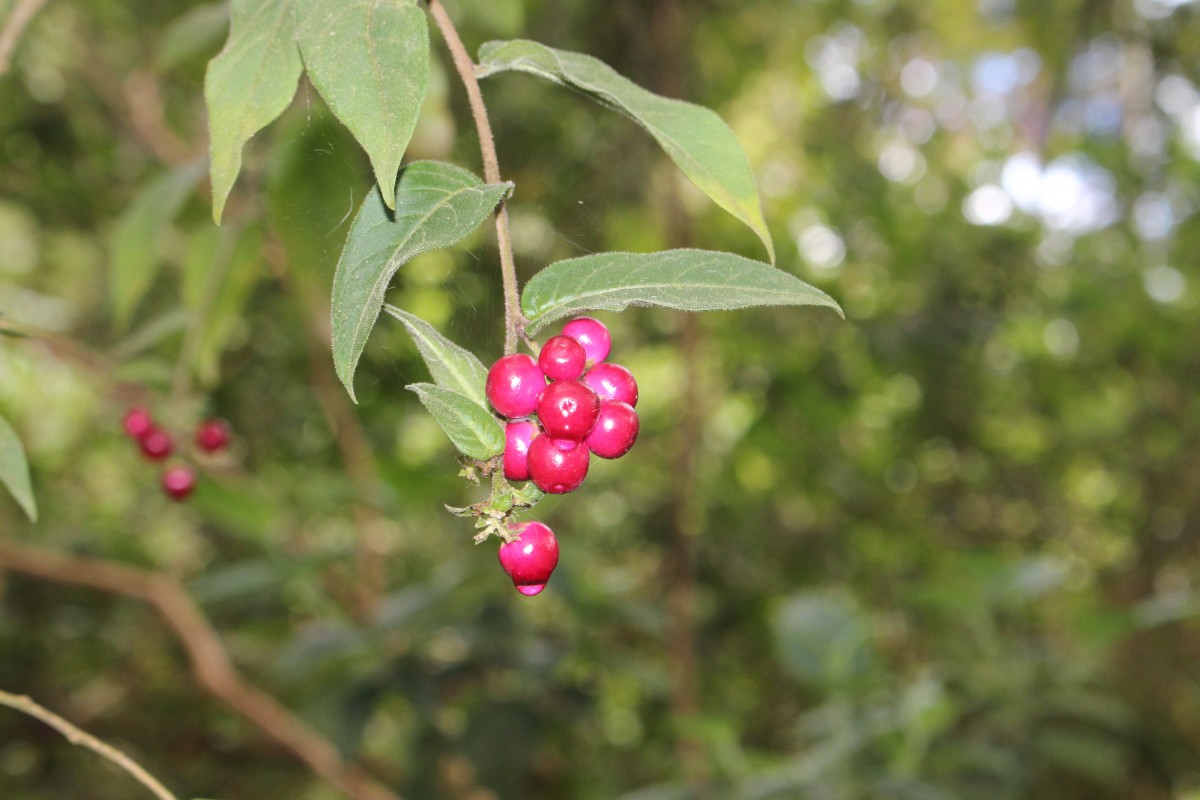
{"type": "Point", "coordinates": [210, 661]}
{"type": "Point", "coordinates": [84, 739]}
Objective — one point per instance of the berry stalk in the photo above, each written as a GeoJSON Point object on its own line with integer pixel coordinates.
{"type": "Point", "coordinates": [514, 320]}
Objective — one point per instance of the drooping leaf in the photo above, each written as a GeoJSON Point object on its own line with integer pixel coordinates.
{"type": "Point", "coordinates": [248, 84]}
{"type": "Point", "coordinates": [451, 366]}
{"type": "Point", "coordinates": [137, 238]}
{"type": "Point", "coordinates": [472, 428]}
{"type": "Point", "coordinates": [192, 34]}
{"type": "Point", "coordinates": [688, 280]}
{"type": "Point", "coordinates": [14, 469]}
{"type": "Point", "coordinates": [695, 138]}
{"type": "Point", "coordinates": [436, 205]}
{"type": "Point", "coordinates": [369, 59]}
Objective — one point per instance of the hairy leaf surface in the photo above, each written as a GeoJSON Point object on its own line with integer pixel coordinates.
{"type": "Point", "coordinates": [436, 205]}
{"type": "Point", "coordinates": [696, 138]}
{"type": "Point", "coordinates": [451, 366]}
{"type": "Point", "coordinates": [248, 84]}
{"type": "Point", "coordinates": [369, 59]}
{"type": "Point", "coordinates": [472, 428]}
{"type": "Point", "coordinates": [688, 280]}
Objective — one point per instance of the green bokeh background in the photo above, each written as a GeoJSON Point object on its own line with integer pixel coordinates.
{"type": "Point", "coordinates": [945, 548]}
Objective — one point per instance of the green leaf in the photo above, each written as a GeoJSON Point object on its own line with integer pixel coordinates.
{"type": "Point", "coordinates": [369, 59]}
{"type": "Point", "coordinates": [472, 428]}
{"type": "Point", "coordinates": [695, 138]}
{"type": "Point", "coordinates": [196, 31]}
{"type": "Point", "coordinates": [688, 280]}
{"type": "Point", "coordinates": [436, 205]}
{"type": "Point", "coordinates": [248, 84]}
{"type": "Point", "coordinates": [451, 366]}
{"type": "Point", "coordinates": [138, 236]}
{"type": "Point", "coordinates": [14, 469]}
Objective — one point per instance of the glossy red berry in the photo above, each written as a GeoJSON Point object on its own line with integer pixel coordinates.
{"type": "Point", "coordinates": [513, 385]}
{"type": "Point", "coordinates": [137, 422]}
{"type": "Point", "coordinates": [592, 334]}
{"type": "Point", "coordinates": [562, 358]}
{"type": "Point", "coordinates": [612, 382]}
{"type": "Point", "coordinates": [616, 430]}
{"type": "Point", "coordinates": [530, 558]}
{"type": "Point", "coordinates": [518, 436]}
{"type": "Point", "coordinates": [178, 482]}
{"type": "Point", "coordinates": [156, 444]}
{"type": "Point", "coordinates": [557, 466]}
{"type": "Point", "coordinates": [568, 410]}
{"type": "Point", "coordinates": [213, 435]}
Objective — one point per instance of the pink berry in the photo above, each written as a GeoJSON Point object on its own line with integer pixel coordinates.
{"type": "Point", "coordinates": [178, 482]}
{"type": "Point", "coordinates": [138, 422]}
{"type": "Point", "coordinates": [612, 382]}
{"type": "Point", "coordinates": [517, 438]}
{"type": "Point", "coordinates": [616, 430]}
{"type": "Point", "coordinates": [562, 358]}
{"type": "Point", "coordinates": [557, 466]}
{"type": "Point", "coordinates": [513, 385]}
{"type": "Point", "coordinates": [592, 334]}
{"type": "Point", "coordinates": [530, 558]}
{"type": "Point", "coordinates": [156, 444]}
{"type": "Point", "coordinates": [568, 410]}
{"type": "Point", "coordinates": [213, 435]}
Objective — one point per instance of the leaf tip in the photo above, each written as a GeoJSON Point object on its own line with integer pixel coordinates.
{"type": "Point", "coordinates": [218, 203]}
{"type": "Point", "coordinates": [346, 376]}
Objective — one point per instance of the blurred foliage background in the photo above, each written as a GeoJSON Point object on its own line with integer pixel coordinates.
{"type": "Point", "coordinates": [943, 549]}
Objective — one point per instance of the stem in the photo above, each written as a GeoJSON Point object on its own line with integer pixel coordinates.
{"type": "Point", "coordinates": [14, 26]}
{"type": "Point", "coordinates": [84, 739]}
{"type": "Point", "coordinates": [514, 320]}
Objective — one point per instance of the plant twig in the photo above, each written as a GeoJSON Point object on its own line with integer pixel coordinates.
{"type": "Point", "coordinates": [210, 661]}
{"type": "Point", "coordinates": [84, 739]}
{"type": "Point", "coordinates": [514, 320]}
{"type": "Point", "coordinates": [22, 14]}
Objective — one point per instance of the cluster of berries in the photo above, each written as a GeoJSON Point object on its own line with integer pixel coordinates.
{"type": "Point", "coordinates": [156, 444]}
{"type": "Point", "coordinates": [561, 409]}
{"type": "Point", "coordinates": [587, 407]}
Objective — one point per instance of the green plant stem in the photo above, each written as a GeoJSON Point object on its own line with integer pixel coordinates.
{"type": "Point", "coordinates": [84, 739]}
{"type": "Point", "coordinates": [514, 320]}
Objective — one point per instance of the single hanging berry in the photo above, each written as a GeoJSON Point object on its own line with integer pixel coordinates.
{"type": "Point", "coordinates": [137, 422]}
{"type": "Point", "coordinates": [562, 358]}
{"type": "Point", "coordinates": [156, 444]}
{"type": "Point", "coordinates": [213, 435]}
{"type": "Point", "coordinates": [616, 430]}
{"type": "Point", "coordinates": [568, 410]}
{"type": "Point", "coordinates": [557, 466]}
{"type": "Point", "coordinates": [513, 385]}
{"type": "Point", "coordinates": [612, 382]}
{"type": "Point", "coordinates": [530, 557]}
{"type": "Point", "coordinates": [178, 482]}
